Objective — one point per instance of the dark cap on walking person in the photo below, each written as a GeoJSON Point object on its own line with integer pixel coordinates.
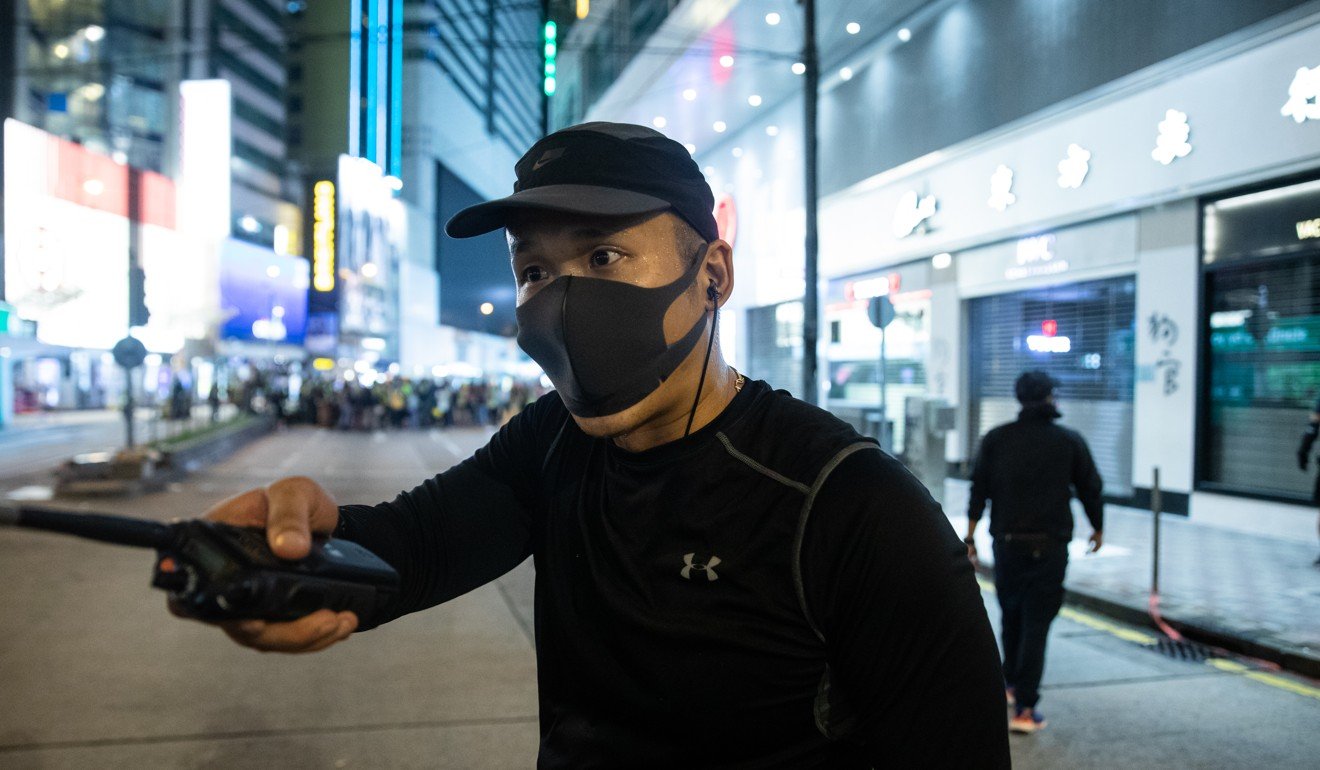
{"type": "Point", "coordinates": [1034, 387]}
{"type": "Point", "coordinates": [600, 169]}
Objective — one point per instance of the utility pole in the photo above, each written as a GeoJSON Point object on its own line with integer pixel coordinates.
{"type": "Point", "coordinates": [811, 294]}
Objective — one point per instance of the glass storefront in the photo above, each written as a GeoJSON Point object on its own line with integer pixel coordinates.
{"type": "Point", "coordinates": [1083, 335]}
{"type": "Point", "coordinates": [1262, 340]}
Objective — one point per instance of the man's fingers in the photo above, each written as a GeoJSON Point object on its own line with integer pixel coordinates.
{"type": "Point", "coordinates": [248, 509]}
{"type": "Point", "coordinates": [288, 522]}
{"type": "Point", "coordinates": [306, 634]}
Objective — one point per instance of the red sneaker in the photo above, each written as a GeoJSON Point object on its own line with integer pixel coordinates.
{"type": "Point", "coordinates": [1026, 721]}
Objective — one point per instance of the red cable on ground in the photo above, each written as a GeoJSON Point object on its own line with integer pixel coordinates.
{"type": "Point", "coordinates": [1154, 608]}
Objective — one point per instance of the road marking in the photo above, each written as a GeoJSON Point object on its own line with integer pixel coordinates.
{"type": "Point", "coordinates": [1150, 641]}
{"type": "Point", "coordinates": [1273, 680]}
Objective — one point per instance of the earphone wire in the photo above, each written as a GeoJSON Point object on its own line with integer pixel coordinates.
{"type": "Point", "coordinates": [710, 343]}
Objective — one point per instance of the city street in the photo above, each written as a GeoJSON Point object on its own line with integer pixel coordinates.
{"type": "Point", "coordinates": [95, 673]}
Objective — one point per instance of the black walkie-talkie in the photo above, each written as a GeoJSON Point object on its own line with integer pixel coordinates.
{"type": "Point", "coordinates": [218, 572]}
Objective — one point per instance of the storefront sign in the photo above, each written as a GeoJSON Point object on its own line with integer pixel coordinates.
{"type": "Point", "coordinates": [1035, 257]}
{"type": "Point", "coordinates": [1171, 142]}
{"type": "Point", "coordinates": [1074, 168]}
{"type": "Point", "coordinates": [323, 235]}
{"type": "Point", "coordinates": [1001, 189]}
{"type": "Point", "coordinates": [867, 288]}
{"type": "Point", "coordinates": [1303, 96]}
{"type": "Point", "coordinates": [913, 210]}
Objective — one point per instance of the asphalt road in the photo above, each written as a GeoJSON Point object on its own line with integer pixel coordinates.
{"type": "Point", "coordinates": [94, 673]}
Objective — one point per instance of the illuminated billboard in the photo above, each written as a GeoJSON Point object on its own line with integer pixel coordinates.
{"type": "Point", "coordinates": [263, 295]}
{"type": "Point", "coordinates": [67, 236]}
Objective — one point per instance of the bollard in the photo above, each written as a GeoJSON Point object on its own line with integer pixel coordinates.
{"type": "Point", "coordinates": [1156, 504]}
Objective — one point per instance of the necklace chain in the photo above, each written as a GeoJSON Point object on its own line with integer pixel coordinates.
{"type": "Point", "coordinates": [738, 383]}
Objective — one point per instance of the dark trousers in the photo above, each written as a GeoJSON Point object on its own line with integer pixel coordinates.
{"type": "Point", "coordinates": [1029, 584]}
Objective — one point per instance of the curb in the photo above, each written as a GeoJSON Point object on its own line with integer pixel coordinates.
{"type": "Point", "coordinates": [1290, 659]}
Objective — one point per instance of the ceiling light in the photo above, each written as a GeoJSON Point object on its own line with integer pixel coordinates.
{"type": "Point", "coordinates": [799, 68]}
{"type": "Point", "coordinates": [772, 130]}
{"type": "Point", "coordinates": [726, 61]}
{"type": "Point", "coordinates": [61, 51]}
{"type": "Point", "coordinates": [690, 94]}
{"type": "Point", "coordinates": [719, 126]}
{"type": "Point", "coordinates": [904, 35]}
{"type": "Point", "coordinates": [487, 308]}
{"type": "Point", "coordinates": [659, 121]}
{"type": "Point", "coordinates": [273, 271]}
{"type": "Point", "coordinates": [846, 73]}
{"type": "Point", "coordinates": [249, 224]}
{"type": "Point", "coordinates": [772, 19]}
{"type": "Point", "coordinates": [754, 100]}
{"type": "Point", "coordinates": [94, 33]}
{"type": "Point", "coordinates": [691, 148]}
{"type": "Point", "coordinates": [853, 28]}
{"type": "Point", "coordinates": [737, 152]}
{"type": "Point", "coordinates": [93, 187]}
{"type": "Point", "coordinates": [942, 260]}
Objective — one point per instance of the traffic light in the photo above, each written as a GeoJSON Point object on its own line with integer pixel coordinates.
{"type": "Point", "coordinates": [551, 40]}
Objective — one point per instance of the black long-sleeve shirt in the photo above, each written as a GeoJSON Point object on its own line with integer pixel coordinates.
{"type": "Point", "coordinates": [771, 591]}
{"type": "Point", "coordinates": [1029, 470]}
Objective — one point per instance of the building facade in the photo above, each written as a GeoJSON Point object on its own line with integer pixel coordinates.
{"type": "Point", "coordinates": [1031, 192]}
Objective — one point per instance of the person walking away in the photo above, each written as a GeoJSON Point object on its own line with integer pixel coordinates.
{"type": "Point", "coordinates": [1304, 457]}
{"type": "Point", "coordinates": [1028, 470]}
{"type": "Point", "coordinates": [213, 400]}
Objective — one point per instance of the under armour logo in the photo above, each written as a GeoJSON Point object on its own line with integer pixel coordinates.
{"type": "Point", "coordinates": [546, 157]}
{"type": "Point", "coordinates": [690, 566]}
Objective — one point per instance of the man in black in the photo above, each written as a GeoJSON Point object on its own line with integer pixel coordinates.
{"type": "Point", "coordinates": [726, 576]}
{"type": "Point", "coordinates": [1304, 456]}
{"type": "Point", "coordinates": [1028, 470]}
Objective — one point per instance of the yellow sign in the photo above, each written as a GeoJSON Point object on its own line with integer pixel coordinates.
{"type": "Point", "coordinates": [323, 364]}
{"type": "Point", "coordinates": [1308, 228]}
{"type": "Point", "coordinates": [323, 235]}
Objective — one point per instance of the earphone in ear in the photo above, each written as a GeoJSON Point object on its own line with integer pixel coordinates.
{"type": "Point", "coordinates": [712, 293]}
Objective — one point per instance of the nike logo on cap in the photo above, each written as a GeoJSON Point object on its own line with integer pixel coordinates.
{"type": "Point", "coordinates": [547, 157]}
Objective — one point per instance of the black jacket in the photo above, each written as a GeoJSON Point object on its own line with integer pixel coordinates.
{"type": "Point", "coordinates": [1030, 469]}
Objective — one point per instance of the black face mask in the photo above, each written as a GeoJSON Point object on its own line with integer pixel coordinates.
{"type": "Point", "coordinates": [602, 342]}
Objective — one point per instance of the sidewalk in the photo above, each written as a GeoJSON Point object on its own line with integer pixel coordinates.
{"type": "Point", "coordinates": [1257, 595]}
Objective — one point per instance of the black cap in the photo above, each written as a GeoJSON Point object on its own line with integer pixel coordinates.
{"type": "Point", "coordinates": [607, 169]}
{"type": "Point", "coordinates": [1033, 387]}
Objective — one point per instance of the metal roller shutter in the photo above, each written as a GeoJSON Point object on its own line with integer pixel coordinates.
{"type": "Point", "coordinates": [1083, 335]}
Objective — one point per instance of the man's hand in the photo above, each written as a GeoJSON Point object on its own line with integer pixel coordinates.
{"type": "Point", "coordinates": [1096, 540]}
{"type": "Point", "coordinates": [971, 553]}
{"type": "Point", "coordinates": [290, 510]}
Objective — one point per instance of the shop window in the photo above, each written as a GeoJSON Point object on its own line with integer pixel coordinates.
{"type": "Point", "coordinates": [1263, 373]}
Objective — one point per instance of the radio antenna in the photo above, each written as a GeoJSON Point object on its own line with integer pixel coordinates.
{"type": "Point", "coordinates": [107, 529]}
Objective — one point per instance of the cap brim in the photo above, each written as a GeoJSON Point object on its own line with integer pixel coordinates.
{"type": "Point", "coordinates": [568, 198]}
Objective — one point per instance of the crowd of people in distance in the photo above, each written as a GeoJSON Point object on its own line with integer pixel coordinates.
{"type": "Point", "coordinates": [403, 402]}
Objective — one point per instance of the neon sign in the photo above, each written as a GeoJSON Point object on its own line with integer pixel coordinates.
{"type": "Point", "coordinates": [323, 235]}
{"type": "Point", "coordinates": [1039, 343]}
